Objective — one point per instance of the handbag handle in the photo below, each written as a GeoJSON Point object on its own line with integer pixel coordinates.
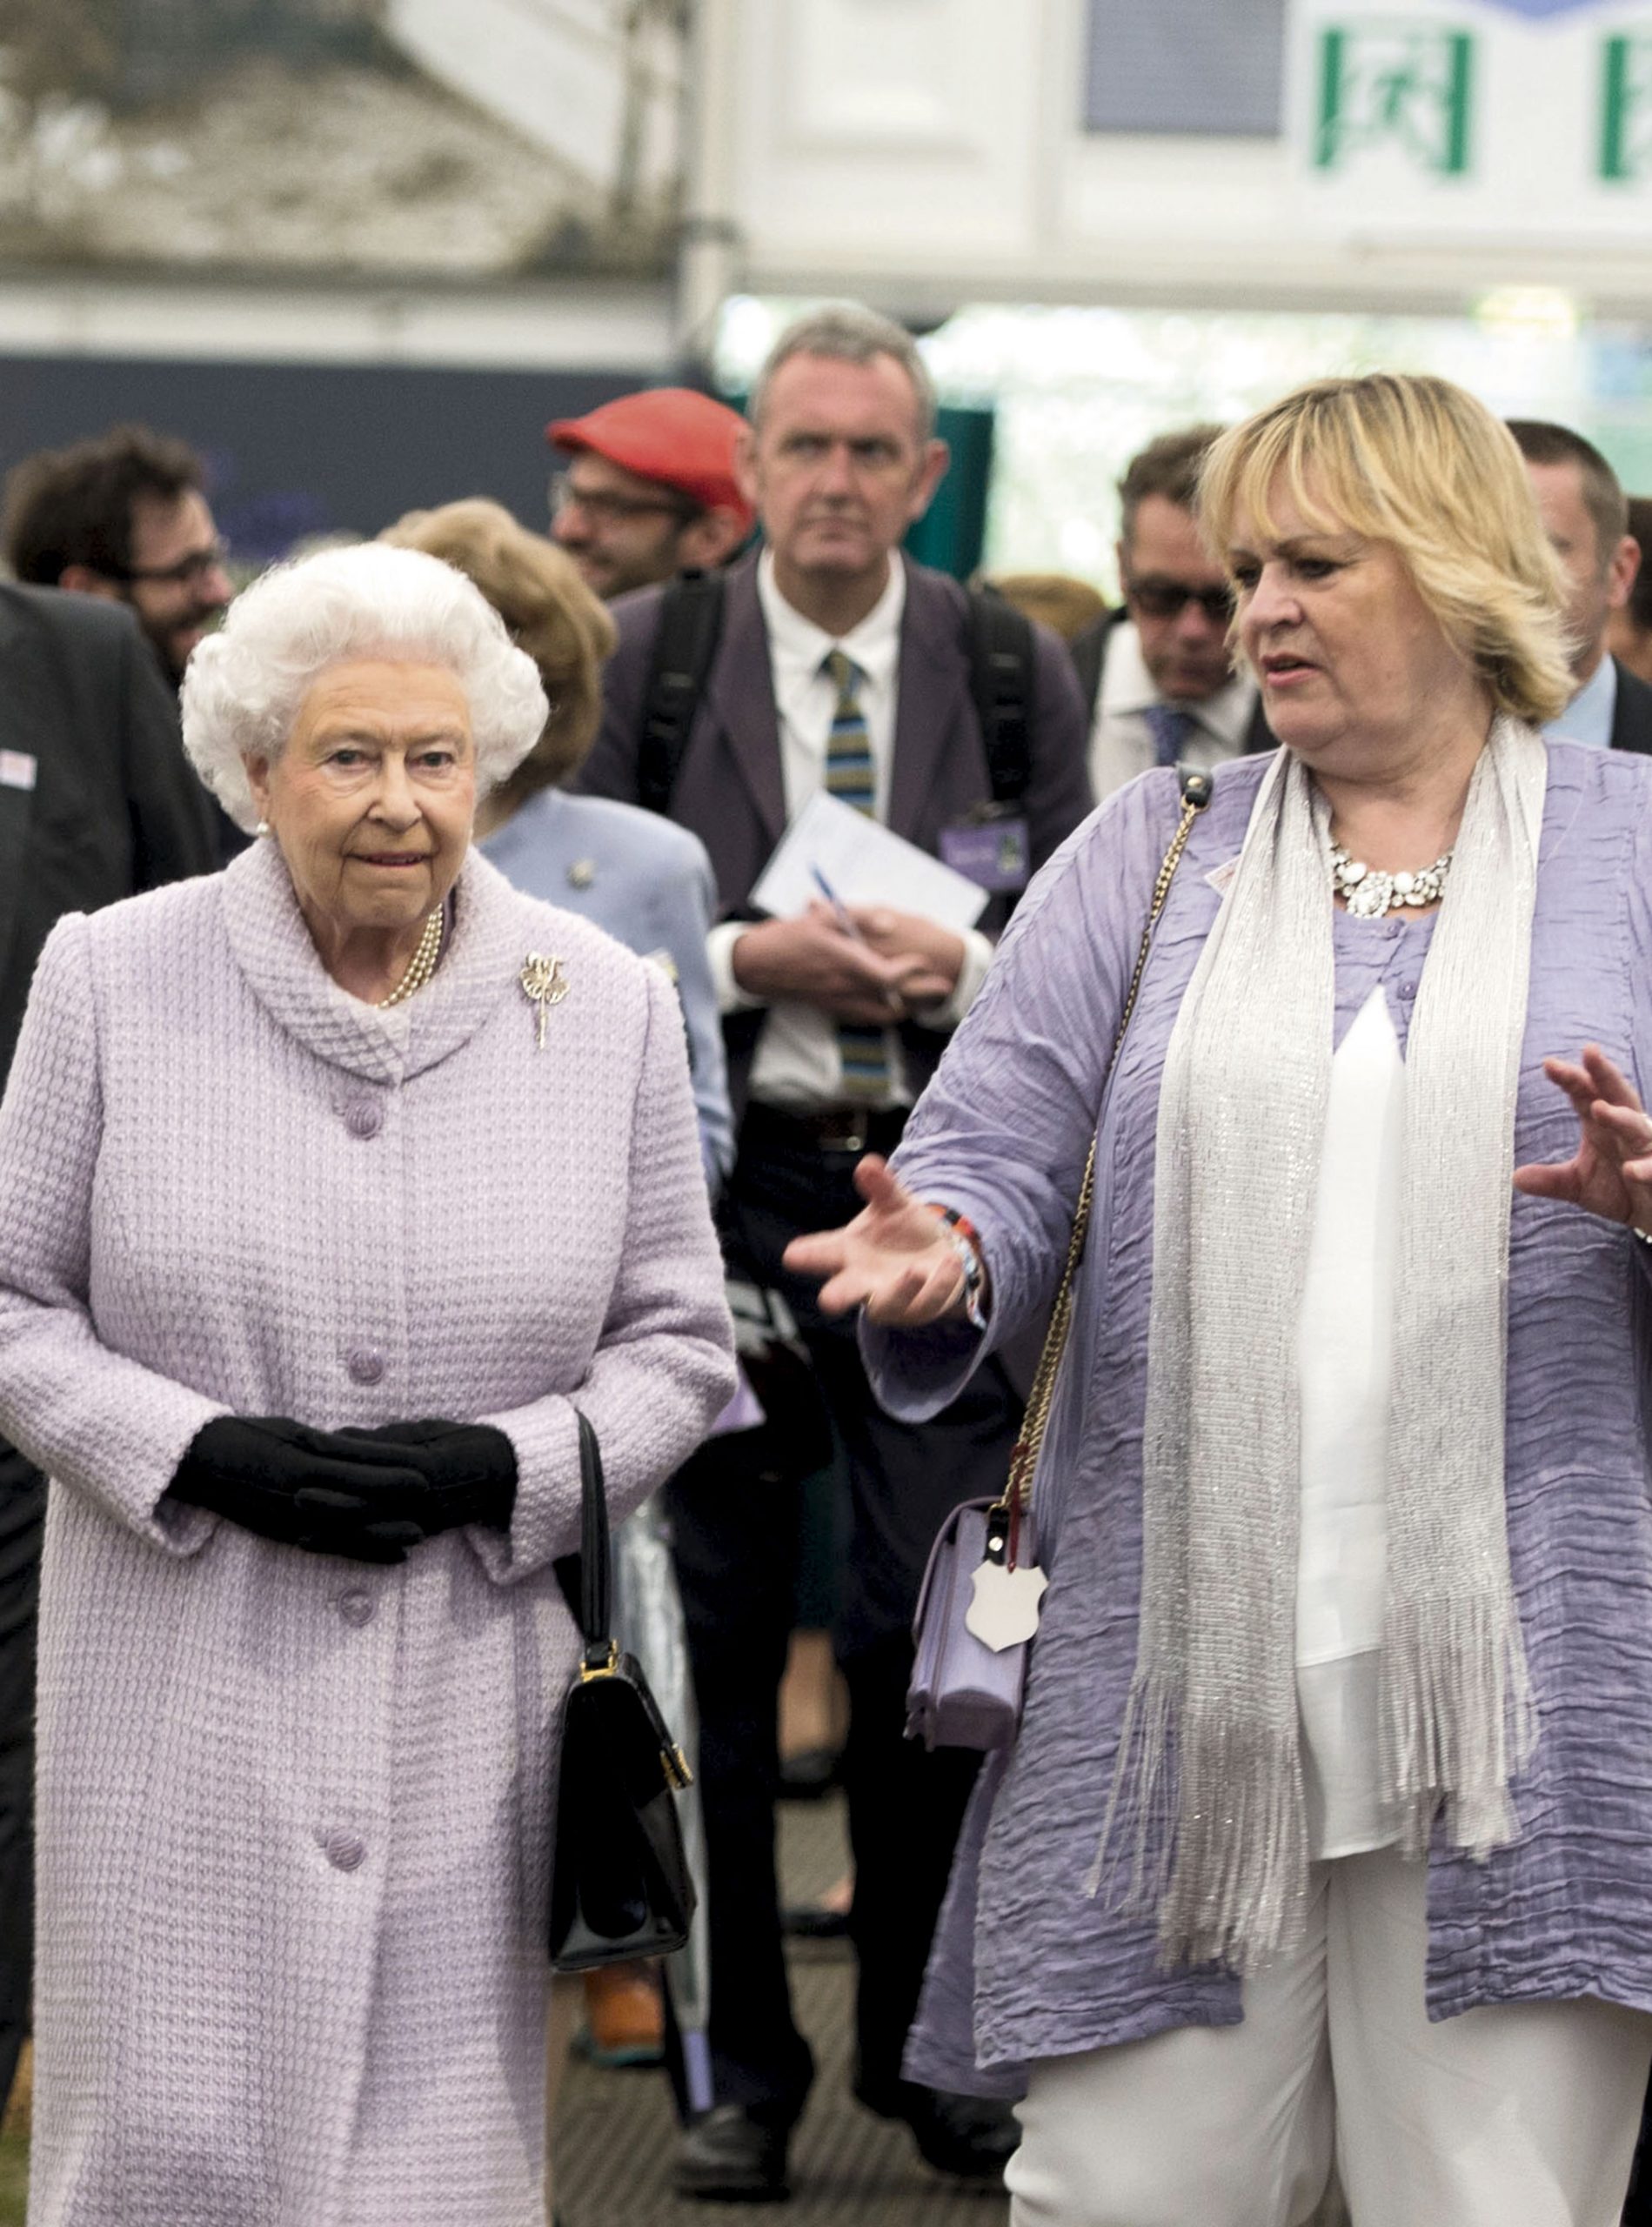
{"type": "Point", "coordinates": [1196, 792]}
{"type": "Point", "coordinates": [596, 1584]}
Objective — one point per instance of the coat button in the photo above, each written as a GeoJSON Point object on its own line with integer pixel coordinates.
{"type": "Point", "coordinates": [356, 1607]}
{"type": "Point", "coordinates": [365, 1364]}
{"type": "Point", "coordinates": [342, 1850]}
{"type": "Point", "coordinates": [363, 1119]}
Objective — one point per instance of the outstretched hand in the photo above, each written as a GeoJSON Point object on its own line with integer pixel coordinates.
{"type": "Point", "coordinates": [1611, 1174]}
{"type": "Point", "coordinates": [894, 1259]}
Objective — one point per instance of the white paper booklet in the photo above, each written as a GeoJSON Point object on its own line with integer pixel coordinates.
{"type": "Point", "coordinates": [864, 863]}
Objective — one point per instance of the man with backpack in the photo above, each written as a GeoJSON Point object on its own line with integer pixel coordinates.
{"type": "Point", "coordinates": [831, 661]}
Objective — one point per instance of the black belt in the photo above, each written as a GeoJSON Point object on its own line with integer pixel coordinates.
{"type": "Point", "coordinates": [851, 1129]}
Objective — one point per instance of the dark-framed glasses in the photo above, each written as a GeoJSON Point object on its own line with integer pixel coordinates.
{"type": "Point", "coordinates": [184, 572]}
{"type": "Point", "coordinates": [605, 507]}
{"type": "Point", "coordinates": [1162, 599]}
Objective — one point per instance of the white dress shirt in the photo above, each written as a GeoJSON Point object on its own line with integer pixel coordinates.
{"type": "Point", "coordinates": [1344, 1373]}
{"type": "Point", "coordinates": [797, 1065]}
{"type": "Point", "coordinates": [1589, 717]}
{"type": "Point", "coordinates": [1121, 741]}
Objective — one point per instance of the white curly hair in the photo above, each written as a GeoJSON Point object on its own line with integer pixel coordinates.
{"type": "Point", "coordinates": [243, 685]}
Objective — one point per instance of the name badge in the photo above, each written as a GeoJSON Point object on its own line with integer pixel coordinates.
{"type": "Point", "coordinates": [992, 853]}
{"type": "Point", "coordinates": [17, 770]}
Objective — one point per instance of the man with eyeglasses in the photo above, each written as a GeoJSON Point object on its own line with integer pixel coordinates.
{"type": "Point", "coordinates": [123, 516]}
{"type": "Point", "coordinates": [1159, 674]}
{"type": "Point", "coordinates": [650, 490]}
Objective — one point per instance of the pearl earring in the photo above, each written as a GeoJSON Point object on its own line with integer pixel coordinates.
{"type": "Point", "coordinates": [263, 827]}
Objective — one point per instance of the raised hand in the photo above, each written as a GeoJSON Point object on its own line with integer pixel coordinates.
{"type": "Point", "coordinates": [894, 1259]}
{"type": "Point", "coordinates": [1611, 1174]}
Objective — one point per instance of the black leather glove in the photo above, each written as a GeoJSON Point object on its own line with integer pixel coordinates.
{"type": "Point", "coordinates": [312, 1489]}
{"type": "Point", "coordinates": [469, 1469]}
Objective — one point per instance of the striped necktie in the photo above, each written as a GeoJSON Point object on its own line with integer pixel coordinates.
{"type": "Point", "coordinates": [849, 778]}
{"type": "Point", "coordinates": [1170, 727]}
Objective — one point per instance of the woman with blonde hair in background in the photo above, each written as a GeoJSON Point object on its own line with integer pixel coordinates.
{"type": "Point", "coordinates": [1327, 1834]}
{"type": "Point", "coordinates": [634, 873]}
{"type": "Point", "coordinates": [650, 884]}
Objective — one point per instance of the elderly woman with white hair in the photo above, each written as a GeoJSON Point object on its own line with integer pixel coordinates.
{"type": "Point", "coordinates": [331, 1189]}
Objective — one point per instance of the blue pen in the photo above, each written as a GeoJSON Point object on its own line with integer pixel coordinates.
{"type": "Point", "coordinates": [893, 999]}
{"type": "Point", "coordinates": [844, 921]}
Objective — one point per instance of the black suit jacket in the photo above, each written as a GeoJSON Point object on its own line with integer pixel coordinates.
{"type": "Point", "coordinates": [730, 790]}
{"type": "Point", "coordinates": [1088, 651]}
{"type": "Point", "coordinates": [97, 800]}
{"type": "Point", "coordinates": [1632, 715]}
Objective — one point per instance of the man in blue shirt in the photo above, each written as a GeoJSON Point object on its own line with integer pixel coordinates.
{"type": "Point", "coordinates": [1586, 515]}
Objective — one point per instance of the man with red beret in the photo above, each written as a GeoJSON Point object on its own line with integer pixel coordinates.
{"type": "Point", "coordinates": [650, 489]}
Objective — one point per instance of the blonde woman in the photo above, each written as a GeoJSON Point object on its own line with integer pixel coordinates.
{"type": "Point", "coordinates": [1328, 1834]}
{"type": "Point", "coordinates": [649, 884]}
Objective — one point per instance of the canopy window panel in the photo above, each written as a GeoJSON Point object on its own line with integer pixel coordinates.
{"type": "Point", "coordinates": [1213, 66]}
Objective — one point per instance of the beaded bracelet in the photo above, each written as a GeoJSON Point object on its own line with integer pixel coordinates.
{"type": "Point", "coordinates": [964, 1240]}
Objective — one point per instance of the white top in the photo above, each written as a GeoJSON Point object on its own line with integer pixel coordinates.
{"type": "Point", "coordinates": [1345, 1362]}
{"type": "Point", "coordinates": [1122, 742]}
{"type": "Point", "coordinates": [798, 1064]}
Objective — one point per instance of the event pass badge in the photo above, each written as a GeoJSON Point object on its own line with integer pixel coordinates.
{"type": "Point", "coordinates": [992, 849]}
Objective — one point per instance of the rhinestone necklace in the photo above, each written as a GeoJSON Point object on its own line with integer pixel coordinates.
{"type": "Point", "coordinates": [423, 965]}
{"type": "Point", "coordinates": [1368, 893]}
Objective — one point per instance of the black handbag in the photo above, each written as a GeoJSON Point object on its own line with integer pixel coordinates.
{"type": "Point", "coordinates": [620, 1880]}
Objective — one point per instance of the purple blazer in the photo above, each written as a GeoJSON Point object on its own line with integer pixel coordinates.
{"type": "Point", "coordinates": [1026, 1964]}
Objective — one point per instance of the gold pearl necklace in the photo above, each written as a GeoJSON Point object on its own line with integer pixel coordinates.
{"type": "Point", "coordinates": [423, 965]}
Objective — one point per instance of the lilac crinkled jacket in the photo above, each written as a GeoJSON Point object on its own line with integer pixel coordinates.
{"type": "Point", "coordinates": [1027, 1965]}
{"type": "Point", "coordinates": [295, 1812]}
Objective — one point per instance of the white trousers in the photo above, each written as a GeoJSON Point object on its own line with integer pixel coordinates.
{"type": "Point", "coordinates": [1520, 2115]}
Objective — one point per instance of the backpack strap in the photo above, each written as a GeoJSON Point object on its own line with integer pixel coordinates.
{"type": "Point", "coordinates": [1001, 652]}
{"type": "Point", "coordinates": [691, 620]}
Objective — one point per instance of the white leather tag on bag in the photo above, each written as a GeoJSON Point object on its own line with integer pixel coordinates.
{"type": "Point", "coordinates": [1004, 1609]}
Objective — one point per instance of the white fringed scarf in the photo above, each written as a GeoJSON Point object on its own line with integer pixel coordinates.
{"type": "Point", "coordinates": [1206, 1824]}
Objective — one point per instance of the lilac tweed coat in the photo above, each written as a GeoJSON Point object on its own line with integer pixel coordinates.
{"type": "Point", "coordinates": [294, 1811]}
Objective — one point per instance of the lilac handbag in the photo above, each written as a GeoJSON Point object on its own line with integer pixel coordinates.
{"type": "Point", "coordinates": [966, 1689]}
{"type": "Point", "coordinates": [964, 1693]}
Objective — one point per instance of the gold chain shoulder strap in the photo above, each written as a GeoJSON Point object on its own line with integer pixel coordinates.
{"type": "Point", "coordinates": [1196, 792]}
